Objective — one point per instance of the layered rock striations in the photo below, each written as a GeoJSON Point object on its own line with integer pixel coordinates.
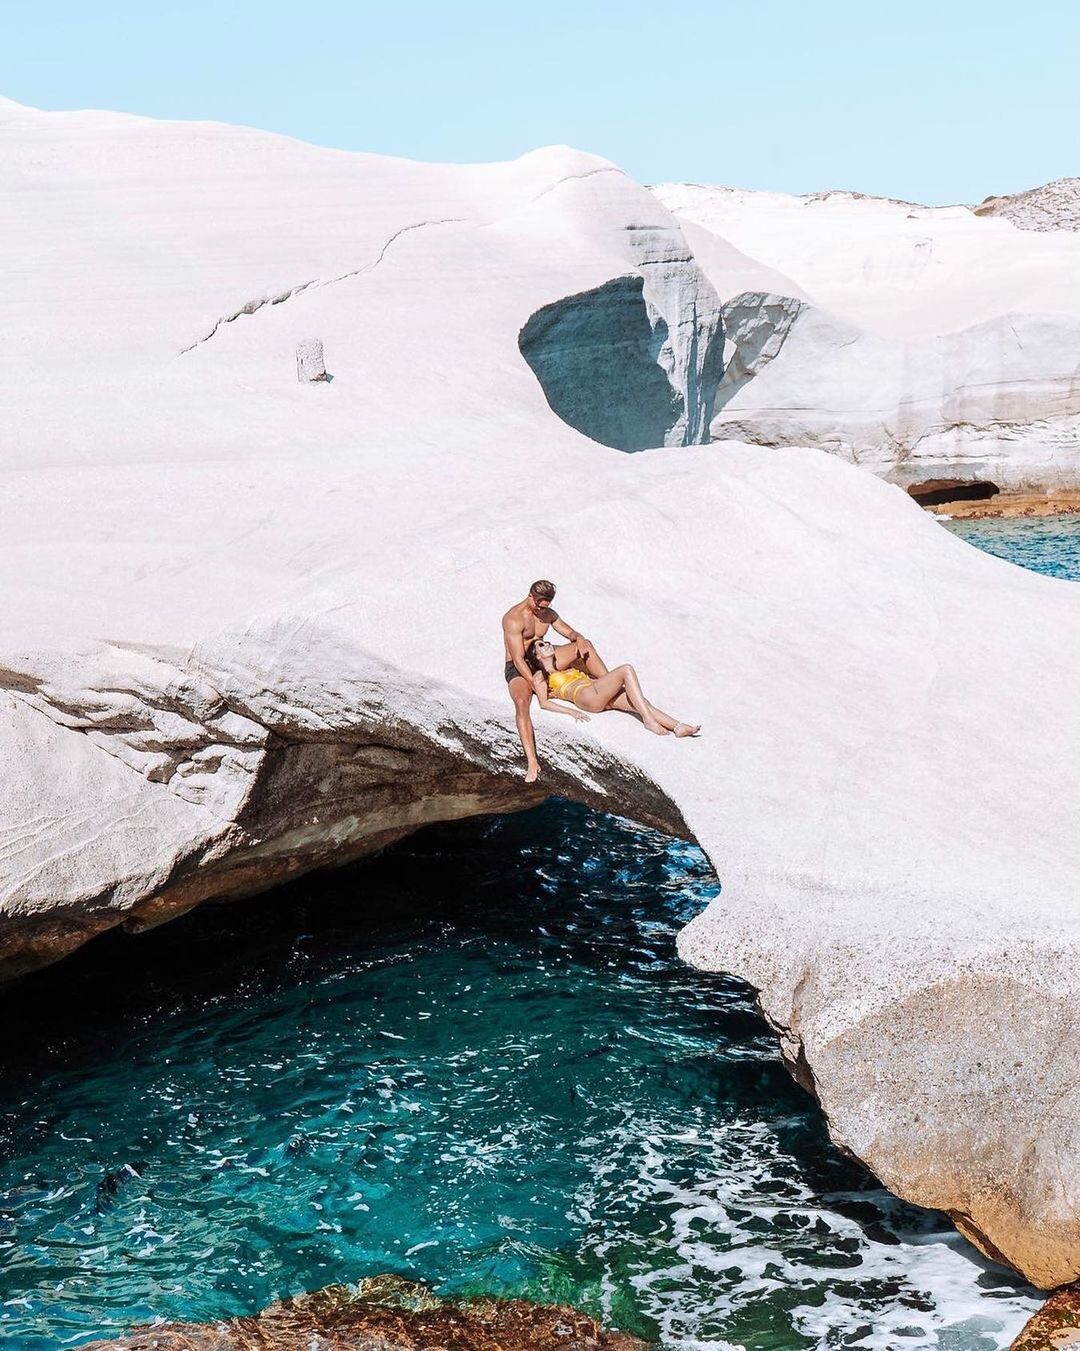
{"type": "Point", "coordinates": [925, 343]}
{"type": "Point", "coordinates": [252, 622]}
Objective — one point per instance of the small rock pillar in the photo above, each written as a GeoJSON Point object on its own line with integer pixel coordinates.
{"type": "Point", "coordinates": [310, 365]}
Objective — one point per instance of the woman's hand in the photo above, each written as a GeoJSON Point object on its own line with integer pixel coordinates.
{"type": "Point", "coordinates": [557, 706]}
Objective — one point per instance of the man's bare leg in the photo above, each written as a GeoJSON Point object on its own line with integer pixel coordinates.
{"type": "Point", "coordinates": [521, 693]}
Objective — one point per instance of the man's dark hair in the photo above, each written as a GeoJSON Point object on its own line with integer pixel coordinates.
{"type": "Point", "coordinates": [542, 590]}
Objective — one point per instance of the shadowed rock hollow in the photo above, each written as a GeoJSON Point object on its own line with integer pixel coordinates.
{"type": "Point", "coordinates": [605, 367]}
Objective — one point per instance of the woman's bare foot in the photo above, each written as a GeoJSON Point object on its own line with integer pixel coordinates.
{"type": "Point", "coordinates": [653, 726]}
{"type": "Point", "coordinates": [532, 773]}
{"type": "Point", "coordinates": [687, 729]}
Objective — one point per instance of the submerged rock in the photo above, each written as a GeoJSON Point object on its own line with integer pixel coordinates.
{"type": "Point", "coordinates": [383, 1312]}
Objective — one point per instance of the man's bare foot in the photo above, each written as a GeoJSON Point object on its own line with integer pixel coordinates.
{"type": "Point", "coordinates": [653, 726]}
{"type": "Point", "coordinates": [687, 729]}
{"type": "Point", "coordinates": [532, 773]}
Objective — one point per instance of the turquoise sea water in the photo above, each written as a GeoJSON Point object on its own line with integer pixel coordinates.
{"type": "Point", "coordinates": [1049, 544]}
{"type": "Point", "coordinates": [476, 1061]}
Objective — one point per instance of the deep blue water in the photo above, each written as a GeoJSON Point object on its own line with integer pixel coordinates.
{"type": "Point", "coordinates": [474, 1060]}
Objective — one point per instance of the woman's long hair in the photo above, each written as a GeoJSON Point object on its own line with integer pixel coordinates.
{"type": "Point", "coordinates": [532, 661]}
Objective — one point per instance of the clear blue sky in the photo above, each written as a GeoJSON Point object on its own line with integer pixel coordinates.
{"type": "Point", "coordinates": [932, 100]}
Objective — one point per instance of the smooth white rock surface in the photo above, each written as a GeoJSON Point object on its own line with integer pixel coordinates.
{"type": "Point", "coordinates": [205, 561]}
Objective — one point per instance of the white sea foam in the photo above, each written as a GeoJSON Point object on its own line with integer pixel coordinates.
{"type": "Point", "coordinates": [747, 1234]}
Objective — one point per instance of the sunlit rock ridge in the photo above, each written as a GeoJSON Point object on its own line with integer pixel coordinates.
{"type": "Point", "coordinates": [923, 342]}
{"type": "Point", "coordinates": [252, 621]}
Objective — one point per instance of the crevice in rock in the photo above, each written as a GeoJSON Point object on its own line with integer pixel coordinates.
{"type": "Point", "coordinates": [253, 306]}
{"type": "Point", "coordinates": [574, 178]}
{"type": "Point", "coordinates": [967, 1226]}
{"type": "Point", "coordinates": [249, 307]}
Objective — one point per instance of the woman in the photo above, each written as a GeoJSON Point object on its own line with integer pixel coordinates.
{"type": "Point", "coordinates": [619, 689]}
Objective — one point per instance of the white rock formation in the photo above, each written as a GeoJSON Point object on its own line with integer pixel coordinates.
{"type": "Point", "coordinates": [252, 626]}
{"type": "Point", "coordinates": [929, 342]}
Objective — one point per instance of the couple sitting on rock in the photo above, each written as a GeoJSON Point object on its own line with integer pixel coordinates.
{"type": "Point", "coordinates": [571, 672]}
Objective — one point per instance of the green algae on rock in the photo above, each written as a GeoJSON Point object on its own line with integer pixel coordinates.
{"type": "Point", "coordinates": [381, 1312]}
{"type": "Point", "coordinates": [1056, 1327]}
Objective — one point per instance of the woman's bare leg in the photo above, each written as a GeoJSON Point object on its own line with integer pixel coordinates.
{"type": "Point", "coordinates": [673, 724]}
{"type": "Point", "coordinates": [623, 705]}
{"type": "Point", "coordinates": [599, 695]}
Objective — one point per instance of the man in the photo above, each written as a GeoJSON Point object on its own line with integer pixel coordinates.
{"type": "Point", "coordinates": [522, 625]}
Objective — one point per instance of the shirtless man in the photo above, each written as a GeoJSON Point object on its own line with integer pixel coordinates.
{"type": "Point", "coordinates": [522, 625]}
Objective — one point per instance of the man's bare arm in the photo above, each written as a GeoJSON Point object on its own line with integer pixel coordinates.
{"type": "Point", "coordinates": [564, 630]}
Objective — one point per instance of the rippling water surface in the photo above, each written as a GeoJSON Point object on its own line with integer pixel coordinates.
{"type": "Point", "coordinates": [1048, 544]}
{"type": "Point", "coordinates": [476, 1061]}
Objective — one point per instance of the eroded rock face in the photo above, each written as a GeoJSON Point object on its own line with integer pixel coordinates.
{"type": "Point", "coordinates": [919, 342]}
{"type": "Point", "coordinates": [995, 403]}
{"type": "Point", "coordinates": [383, 1312]}
{"type": "Point", "coordinates": [258, 781]}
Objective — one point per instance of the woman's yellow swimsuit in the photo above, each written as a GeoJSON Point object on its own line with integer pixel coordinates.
{"type": "Point", "coordinates": [565, 684]}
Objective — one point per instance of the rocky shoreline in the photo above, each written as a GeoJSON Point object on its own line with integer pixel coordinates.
{"type": "Point", "coordinates": [1056, 1327]}
{"type": "Point", "coordinates": [380, 1313]}
{"type": "Point", "coordinates": [1018, 505]}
